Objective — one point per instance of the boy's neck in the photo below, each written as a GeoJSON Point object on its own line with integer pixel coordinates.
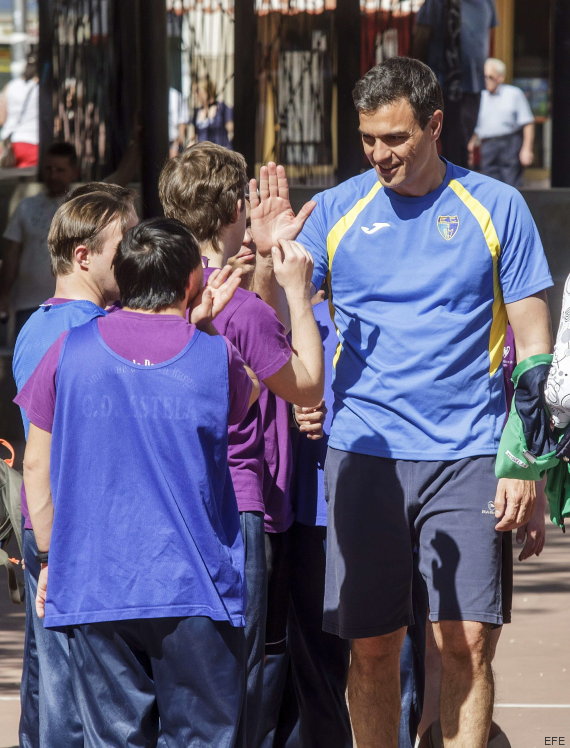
{"type": "Point", "coordinates": [217, 258]}
{"type": "Point", "coordinates": [73, 288]}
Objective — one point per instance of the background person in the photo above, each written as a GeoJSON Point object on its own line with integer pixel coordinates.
{"type": "Point", "coordinates": [20, 117]}
{"type": "Point", "coordinates": [505, 127]}
{"type": "Point", "coordinates": [212, 119]}
{"type": "Point", "coordinates": [177, 121]}
{"type": "Point", "coordinates": [25, 276]}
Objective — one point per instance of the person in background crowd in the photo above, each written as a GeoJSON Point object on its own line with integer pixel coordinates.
{"type": "Point", "coordinates": [177, 121]}
{"type": "Point", "coordinates": [212, 119]}
{"type": "Point", "coordinates": [25, 275]}
{"type": "Point", "coordinates": [505, 127]}
{"type": "Point", "coordinates": [20, 116]}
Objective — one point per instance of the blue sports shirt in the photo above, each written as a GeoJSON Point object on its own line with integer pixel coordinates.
{"type": "Point", "coordinates": [41, 330]}
{"type": "Point", "coordinates": [419, 286]}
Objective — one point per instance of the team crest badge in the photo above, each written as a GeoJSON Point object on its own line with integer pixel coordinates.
{"type": "Point", "coordinates": [447, 226]}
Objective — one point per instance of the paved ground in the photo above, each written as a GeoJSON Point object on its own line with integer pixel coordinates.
{"type": "Point", "coordinates": [532, 665]}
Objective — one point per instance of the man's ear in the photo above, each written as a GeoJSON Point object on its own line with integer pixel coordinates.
{"type": "Point", "coordinates": [436, 123]}
{"type": "Point", "coordinates": [194, 285]}
{"type": "Point", "coordinates": [238, 210]}
{"type": "Point", "coordinates": [82, 255]}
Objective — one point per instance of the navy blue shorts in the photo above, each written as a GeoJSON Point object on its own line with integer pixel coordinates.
{"type": "Point", "coordinates": [380, 511]}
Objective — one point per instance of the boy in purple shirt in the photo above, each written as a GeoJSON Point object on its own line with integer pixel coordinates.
{"type": "Point", "coordinates": [204, 187]}
{"type": "Point", "coordinates": [151, 622]}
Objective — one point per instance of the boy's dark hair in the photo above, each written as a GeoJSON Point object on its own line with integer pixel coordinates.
{"type": "Point", "coordinates": [61, 148]}
{"type": "Point", "coordinates": [201, 188]}
{"type": "Point", "coordinates": [81, 219]}
{"type": "Point", "coordinates": [153, 263]}
{"type": "Point", "coordinates": [399, 78]}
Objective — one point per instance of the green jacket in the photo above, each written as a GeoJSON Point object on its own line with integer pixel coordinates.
{"type": "Point", "coordinates": [514, 457]}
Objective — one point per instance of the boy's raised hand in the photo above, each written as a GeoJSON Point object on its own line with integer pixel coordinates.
{"type": "Point", "coordinates": [272, 217]}
{"type": "Point", "coordinates": [293, 267]}
{"type": "Point", "coordinates": [214, 297]}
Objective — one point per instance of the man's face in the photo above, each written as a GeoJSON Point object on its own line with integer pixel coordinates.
{"type": "Point", "coordinates": [101, 264]}
{"type": "Point", "coordinates": [492, 78]}
{"type": "Point", "coordinates": [400, 152]}
{"type": "Point", "coordinates": [58, 174]}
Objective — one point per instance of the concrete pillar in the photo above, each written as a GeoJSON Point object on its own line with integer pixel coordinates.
{"type": "Point", "coordinates": [244, 81]}
{"type": "Point", "coordinates": [154, 100]}
{"type": "Point", "coordinates": [560, 169]}
{"type": "Point", "coordinates": [347, 21]}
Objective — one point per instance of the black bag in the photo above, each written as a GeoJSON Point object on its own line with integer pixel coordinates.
{"type": "Point", "coordinates": [8, 157]}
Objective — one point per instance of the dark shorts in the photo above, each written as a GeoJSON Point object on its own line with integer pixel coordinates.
{"type": "Point", "coordinates": [380, 511]}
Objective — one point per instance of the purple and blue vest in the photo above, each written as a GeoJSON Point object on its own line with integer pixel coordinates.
{"type": "Point", "coordinates": [145, 518]}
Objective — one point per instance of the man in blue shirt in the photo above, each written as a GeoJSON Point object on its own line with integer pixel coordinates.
{"type": "Point", "coordinates": [426, 262]}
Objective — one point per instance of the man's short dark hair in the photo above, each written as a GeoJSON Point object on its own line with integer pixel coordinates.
{"type": "Point", "coordinates": [153, 263]}
{"type": "Point", "coordinates": [399, 78]}
{"type": "Point", "coordinates": [63, 149]}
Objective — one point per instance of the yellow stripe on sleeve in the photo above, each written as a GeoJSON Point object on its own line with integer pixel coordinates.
{"type": "Point", "coordinates": [499, 321]}
{"type": "Point", "coordinates": [333, 240]}
{"type": "Point", "coordinates": [343, 224]}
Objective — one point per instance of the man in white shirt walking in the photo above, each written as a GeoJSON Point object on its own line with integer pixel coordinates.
{"type": "Point", "coordinates": [505, 127]}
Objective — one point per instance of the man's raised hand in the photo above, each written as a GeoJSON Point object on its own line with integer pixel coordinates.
{"type": "Point", "coordinates": [272, 217]}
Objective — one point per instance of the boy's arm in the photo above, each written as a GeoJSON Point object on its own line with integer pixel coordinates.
{"type": "Point", "coordinates": [254, 396]}
{"type": "Point", "coordinates": [273, 219]}
{"type": "Point", "coordinates": [40, 505]}
{"type": "Point", "coordinates": [37, 483]}
{"type": "Point", "coordinates": [301, 379]}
